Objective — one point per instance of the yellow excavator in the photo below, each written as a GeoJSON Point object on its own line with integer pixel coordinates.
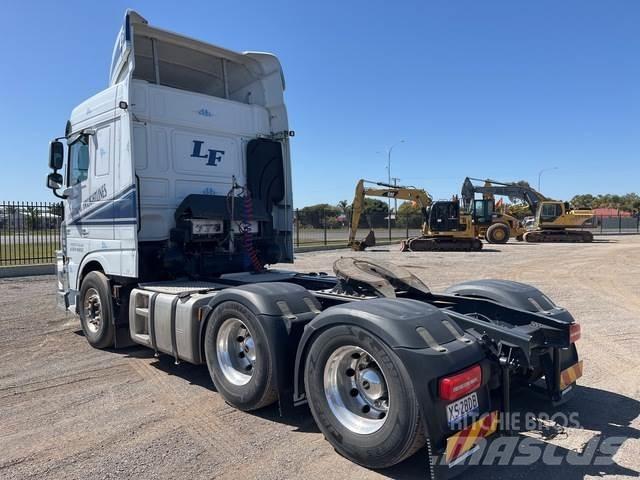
{"type": "Point", "coordinates": [555, 221]}
{"type": "Point", "coordinates": [444, 228]}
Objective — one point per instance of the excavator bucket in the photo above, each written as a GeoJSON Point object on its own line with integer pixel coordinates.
{"type": "Point", "coordinates": [369, 241]}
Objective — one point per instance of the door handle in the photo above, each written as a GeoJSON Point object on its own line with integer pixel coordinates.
{"type": "Point", "coordinates": [84, 232]}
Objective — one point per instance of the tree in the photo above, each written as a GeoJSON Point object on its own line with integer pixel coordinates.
{"type": "Point", "coordinates": [522, 183]}
{"type": "Point", "coordinates": [409, 215]}
{"type": "Point", "coordinates": [343, 205]}
{"type": "Point", "coordinates": [32, 217]}
{"type": "Point", "coordinates": [314, 216]}
{"type": "Point", "coordinates": [628, 202]}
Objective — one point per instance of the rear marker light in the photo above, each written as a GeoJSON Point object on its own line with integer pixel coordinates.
{"type": "Point", "coordinates": [574, 332]}
{"type": "Point", "coordinates": [460, 384]}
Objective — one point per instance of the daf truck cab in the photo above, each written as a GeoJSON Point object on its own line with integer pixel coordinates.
{"type": "Point", "coordinates": [176, 185]}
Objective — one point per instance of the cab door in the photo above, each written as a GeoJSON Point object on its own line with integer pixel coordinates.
{"type": "Point", "coordinates": [483, 210]}
{"type": "Point", "coordinates": [90, 177]}
{"type": "Point", "coordinates": [77, 183]}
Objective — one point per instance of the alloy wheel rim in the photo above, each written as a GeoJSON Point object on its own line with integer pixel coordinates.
{"type": "Point", "coordinates": [356, 390]}
{"type": "Point", "coordinates": [236, 351]}
{"type": "Point", "coordinates": [92, 310]}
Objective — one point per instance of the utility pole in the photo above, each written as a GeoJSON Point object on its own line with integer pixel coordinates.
{"type": "Point", "coordinates": [542, 171]}
{"type": "Point", "coordinates": [389, 150]}
{"type": "Point", "coordinates": [395, 200]}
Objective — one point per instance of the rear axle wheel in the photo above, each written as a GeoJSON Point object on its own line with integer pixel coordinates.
{"type": "Point", "coordinates": [362, 398]}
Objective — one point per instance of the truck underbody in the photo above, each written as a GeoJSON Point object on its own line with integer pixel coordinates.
{"type": "Point", "coordinates": [243, 324]}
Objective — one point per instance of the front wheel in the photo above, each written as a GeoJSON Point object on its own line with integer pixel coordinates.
{"type": "Point", "coordinates": [96, 310]}
{"type": "Point", "coordinates": [498, 233]}
{"type": "Point", "coordinates": [362, 398]}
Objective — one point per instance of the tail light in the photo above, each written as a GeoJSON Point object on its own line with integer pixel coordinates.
{"type": "Point", "coordinates": [574, 332]}
{"type": "Point", "coordinates": [460, 384]}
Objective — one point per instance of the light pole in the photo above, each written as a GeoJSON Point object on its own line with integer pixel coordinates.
{"type": "Point", "coordinates": [389, 150]}
{"type": "Point", "coordinates": [542, 171]}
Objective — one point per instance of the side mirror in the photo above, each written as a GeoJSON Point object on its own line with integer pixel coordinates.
{"type": "Point", "coordinates": [56, 156]}
{"type": "Point", "coordinates": [54, 181]}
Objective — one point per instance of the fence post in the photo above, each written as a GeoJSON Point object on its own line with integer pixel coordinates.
{"type": "Point", "coordinates": [619, 223]}
{"type": "Point", "coordinates": [324, 222]}
{"type": "Point", "coordinates": [407, 226]}
{"type": "Point", "coordinates": [297, 227]}
{"type": "Point", "coordinates": [601, 224]}
{"type": "Point", "coordinates": [638, 222]}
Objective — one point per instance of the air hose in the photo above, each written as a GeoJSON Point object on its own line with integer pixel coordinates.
{"type": "Point", "coordinates": [247, 237]}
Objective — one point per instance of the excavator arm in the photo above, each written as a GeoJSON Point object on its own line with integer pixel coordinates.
{"type": "Point", "coordinates": [491, 187]}
{"type": "Point", "coordinates": [378, 189]}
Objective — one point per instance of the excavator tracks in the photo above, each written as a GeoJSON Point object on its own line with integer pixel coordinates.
{"type": "Point", "coordinates": [441, 244]}
{"type": "Point", "coordinates": [558, 236]}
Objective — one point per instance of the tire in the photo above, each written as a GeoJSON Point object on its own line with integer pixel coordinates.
{"type": "Point", "coordinates": [239, 357]}
{"type": "Point", "coordinates": [365, 434]}
{"type": "Point", "coordinates": [498, 233]}
{"type": "Point", "coordinates": [96, 310]}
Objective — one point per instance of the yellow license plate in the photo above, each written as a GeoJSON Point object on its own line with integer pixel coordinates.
{"type": "Point", "coordinates": [465, 440]}
{"type": "Point", "coordinates": [570, 375]}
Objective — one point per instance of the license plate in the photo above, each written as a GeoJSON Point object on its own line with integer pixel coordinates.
{"type": "Point", "coordinates": [206, 227]}
{"type": "Point", "coordinates": [459, 409]}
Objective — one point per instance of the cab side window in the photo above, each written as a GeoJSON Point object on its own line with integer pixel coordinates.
{"type": "Point", "coordinates": [78, 161]}
{"type": "Point", "coordinates": [551, 211]}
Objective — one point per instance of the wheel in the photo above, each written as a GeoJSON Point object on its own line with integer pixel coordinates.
{"type": "Point", "coordinates": [587, 237]}
{"type": "Point", "coordinates": [96, 310]}
{"type": "Point", "coordinates": [239, 357]}
{"type": "Point", "coordinates": [362, 398]}
{"type": "Point", "coordinates": [498, 233]}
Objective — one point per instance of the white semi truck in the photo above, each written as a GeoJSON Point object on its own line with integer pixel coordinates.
{"type": "Point", "coordinates": [176, 184]}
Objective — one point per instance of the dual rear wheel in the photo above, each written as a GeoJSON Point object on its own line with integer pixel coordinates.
{"type": "Point", "coordinates": [359, 393]}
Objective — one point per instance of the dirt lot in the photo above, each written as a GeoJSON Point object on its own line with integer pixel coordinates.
{"type": "Point", "coordinates": [69, 411]}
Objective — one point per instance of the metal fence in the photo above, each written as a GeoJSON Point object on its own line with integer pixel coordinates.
{"type": "Point", "coordinates": [327, 228]}
{"type": "Point", "coordinates": [29, 232]}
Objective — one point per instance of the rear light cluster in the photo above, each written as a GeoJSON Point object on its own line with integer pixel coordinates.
{"type": "Point", "coordinates": [460, 384]}
{"type": "Point", "coordinates": [574, 332]}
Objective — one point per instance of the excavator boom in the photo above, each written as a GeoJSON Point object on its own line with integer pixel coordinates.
{"type": "Point", "coordinates": [450, 230]}
{"type": "Point", "coordinates": [532, 197]}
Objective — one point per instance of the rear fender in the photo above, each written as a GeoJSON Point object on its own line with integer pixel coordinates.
{"type": "Point", "coordinates": [395, 322]}
{"type": "Point", "coordinates": [282, 310]}
{"type": "Point", "coordinates": [511, 294]}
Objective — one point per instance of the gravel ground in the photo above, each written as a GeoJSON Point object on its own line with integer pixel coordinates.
{"type": "Point", "coordinates": [69, 411]}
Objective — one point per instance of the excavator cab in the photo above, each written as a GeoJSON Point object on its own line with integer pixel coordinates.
{"type": "Point", "coordinates": [444, 217]}
{"type": "Point", "coordinates": [482, 211]}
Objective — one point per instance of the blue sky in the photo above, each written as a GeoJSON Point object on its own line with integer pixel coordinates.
{"type": "Point", "coordinates": [480, 88]}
